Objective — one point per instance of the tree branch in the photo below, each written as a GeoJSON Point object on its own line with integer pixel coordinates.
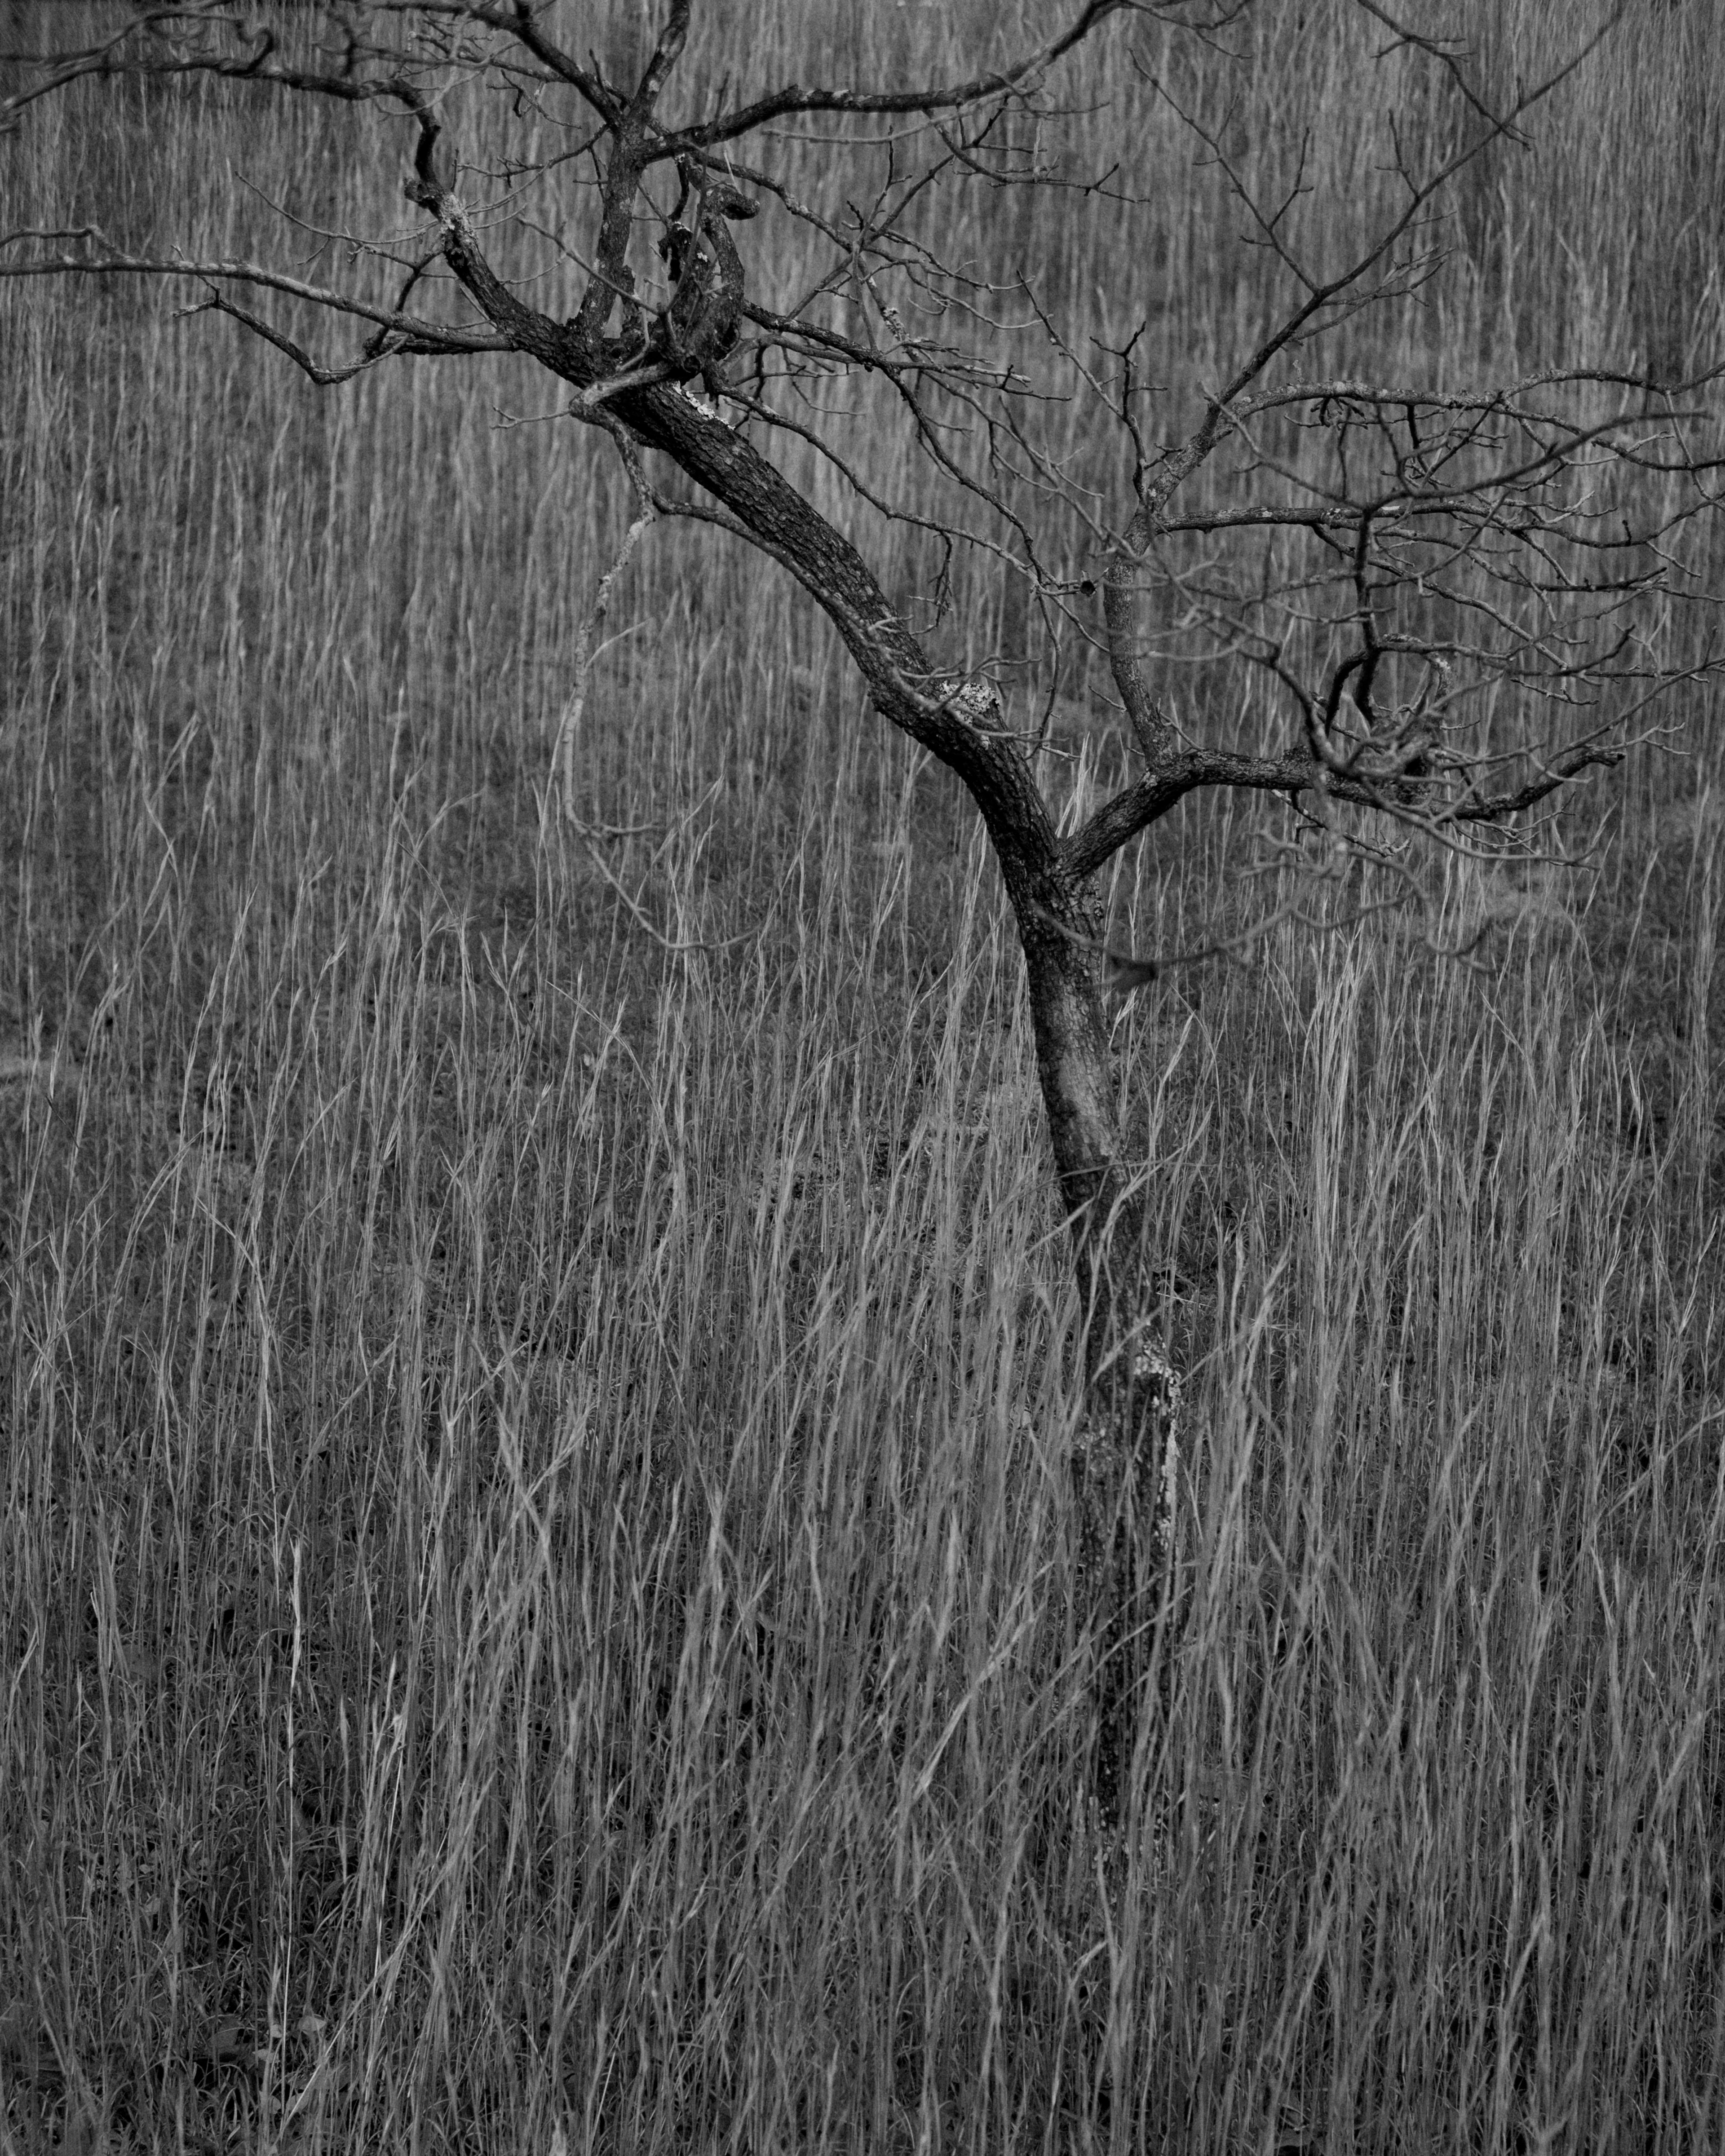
{"type": "Point", "coordinates": [429, 339]}
{"type": "Point", "coordinates": [793, 99]}
{"type": "Point", "coordinates": [1138, 807]}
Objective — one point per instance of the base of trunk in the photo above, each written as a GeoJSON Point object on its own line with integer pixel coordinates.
{"type": "Point", "coordinates": [1126, 1467]}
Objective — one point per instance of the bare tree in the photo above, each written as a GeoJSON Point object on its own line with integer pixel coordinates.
{"type": "Point", "coordinates": [1461, 596]}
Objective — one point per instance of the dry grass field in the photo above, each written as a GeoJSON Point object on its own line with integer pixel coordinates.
{"type": "Point", "coordinates": [535, 1515]}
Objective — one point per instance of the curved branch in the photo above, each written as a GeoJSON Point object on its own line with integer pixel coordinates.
{"type": "Point", "coordinates": [1137, 806]}
{"type": "Point", "coordinates": [107, 60]}
{"type": "Point", "coordinates": [427, 338]}
{"type": "Point", "coordinates": [794, 99]}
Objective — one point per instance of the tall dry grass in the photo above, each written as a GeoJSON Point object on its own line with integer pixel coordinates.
{"type": "Point", "coordinates": [534, 1545]}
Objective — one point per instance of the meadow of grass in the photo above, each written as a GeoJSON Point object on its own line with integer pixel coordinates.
{"type": "Point", "coordinates": [535, 1553]}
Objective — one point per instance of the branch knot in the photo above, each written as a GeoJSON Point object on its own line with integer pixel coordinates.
{"type": "Point", "coordinates": [699, 328]}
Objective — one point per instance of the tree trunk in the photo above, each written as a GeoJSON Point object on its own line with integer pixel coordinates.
{"type": "Point", "coordinates": [1126, 1462]}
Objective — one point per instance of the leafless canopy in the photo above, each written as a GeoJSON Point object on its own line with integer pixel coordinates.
{"type": "Point", "coordinates": [1459, 598]}
{"type": "Point", "coordinates": [1394, 555]}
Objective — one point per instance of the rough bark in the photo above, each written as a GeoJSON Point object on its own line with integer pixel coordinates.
{"type": "Point", "coordinates": [1125, 1460]}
